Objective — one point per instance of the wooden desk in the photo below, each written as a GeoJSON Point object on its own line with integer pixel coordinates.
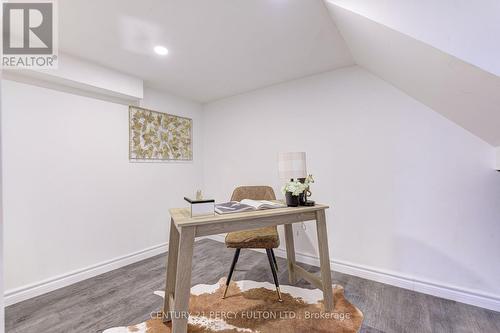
{"type": "Point", "coordinates": [184, 229]}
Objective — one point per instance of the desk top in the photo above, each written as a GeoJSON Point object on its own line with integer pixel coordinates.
{"type": "Point", "coordinates": [182, 216]}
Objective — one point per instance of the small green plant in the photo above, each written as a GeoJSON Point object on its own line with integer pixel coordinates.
{"type": "Point", "coordinates": [296, 187]}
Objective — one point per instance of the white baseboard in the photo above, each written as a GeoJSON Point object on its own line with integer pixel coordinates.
{"type": "Point", "coordinates": [459, 294]}
{"type": "Point", "coordinates": [13, 296]}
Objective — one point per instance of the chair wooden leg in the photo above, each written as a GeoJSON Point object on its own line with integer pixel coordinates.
{"type": "Point", "coordinates": [273, 270]}
{"type": "Point", "coordinates": [274, 260]}
{"type": "Point", "coordinates": [233, 265]}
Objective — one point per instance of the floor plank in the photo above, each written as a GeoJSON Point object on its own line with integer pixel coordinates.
{"type": "Point", "coordinates": [125, 297]}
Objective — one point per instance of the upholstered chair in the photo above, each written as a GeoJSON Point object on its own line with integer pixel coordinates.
{"type": "Point", "coordinates": [263, 238]}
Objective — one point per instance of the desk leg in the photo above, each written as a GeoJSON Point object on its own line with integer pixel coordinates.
{"type": "Point", "coordinates": [183, 280]}
{"type": "Point", "coordinates": [324, 258]}
{"type": "Point", "coordinates": [290, 253]}
{"type": "Point", "coordinates": [173, 248]}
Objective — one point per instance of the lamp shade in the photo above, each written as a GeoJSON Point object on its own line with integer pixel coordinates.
{"type": "Point", "coordinates": [292, 165]}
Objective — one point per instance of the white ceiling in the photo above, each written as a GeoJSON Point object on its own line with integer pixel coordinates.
{"type": "Point", "coordinates": [218, 48]}
{"type": "Point", "coordinates": [463, 93]}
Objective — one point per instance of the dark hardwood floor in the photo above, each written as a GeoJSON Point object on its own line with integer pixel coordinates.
{"type": "Point", "coordinates": [125, 296]}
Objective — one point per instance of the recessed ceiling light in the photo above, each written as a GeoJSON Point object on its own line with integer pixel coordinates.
{"type": "Point", "coordinates": [161, 50]}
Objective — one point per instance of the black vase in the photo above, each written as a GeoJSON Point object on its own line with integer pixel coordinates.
{"type": "Point", "coordinates": [302, 199]}
{"type": "Point", "coordinates": [291, 200]}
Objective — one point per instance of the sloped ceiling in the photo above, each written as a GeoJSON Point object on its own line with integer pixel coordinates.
{"type": "Point", "coordinates": [218, 48]}
{"type": "Point", "coordinates": [465, 29]}
{"type": "Point", "coordinates": [463, 93]}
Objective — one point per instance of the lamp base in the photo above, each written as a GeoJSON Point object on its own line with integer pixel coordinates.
{"type": "Point", "coordinates": [309, 203]}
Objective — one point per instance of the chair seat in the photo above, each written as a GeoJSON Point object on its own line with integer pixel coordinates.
{"type": "Point", "coordinates": [263, 238]}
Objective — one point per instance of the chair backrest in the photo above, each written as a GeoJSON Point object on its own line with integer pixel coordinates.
{"type": "Point", "coordinates": [253, 192]}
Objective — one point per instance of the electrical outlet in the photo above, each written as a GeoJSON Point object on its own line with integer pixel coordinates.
{"type": "Point", "coordinates": [498, 159]}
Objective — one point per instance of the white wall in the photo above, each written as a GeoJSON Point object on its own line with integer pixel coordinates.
{"type": "Point", "coordinates": [71, 197]}
{"type": "Point", "coordinates": [412, 194]}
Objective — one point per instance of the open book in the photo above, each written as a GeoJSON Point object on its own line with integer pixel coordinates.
{"type": "Point", "coordinates": [246, 205]}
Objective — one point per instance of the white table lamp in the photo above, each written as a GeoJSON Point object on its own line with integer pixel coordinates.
{"type": "Point", "coordinates": [292, 165]}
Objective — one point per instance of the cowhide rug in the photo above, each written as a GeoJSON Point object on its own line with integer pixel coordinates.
{"type": "Point", "coordinates": [253, 307]}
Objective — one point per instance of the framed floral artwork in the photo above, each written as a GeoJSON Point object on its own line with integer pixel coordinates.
{"type": "Point", "coordinates": [156, 136]}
